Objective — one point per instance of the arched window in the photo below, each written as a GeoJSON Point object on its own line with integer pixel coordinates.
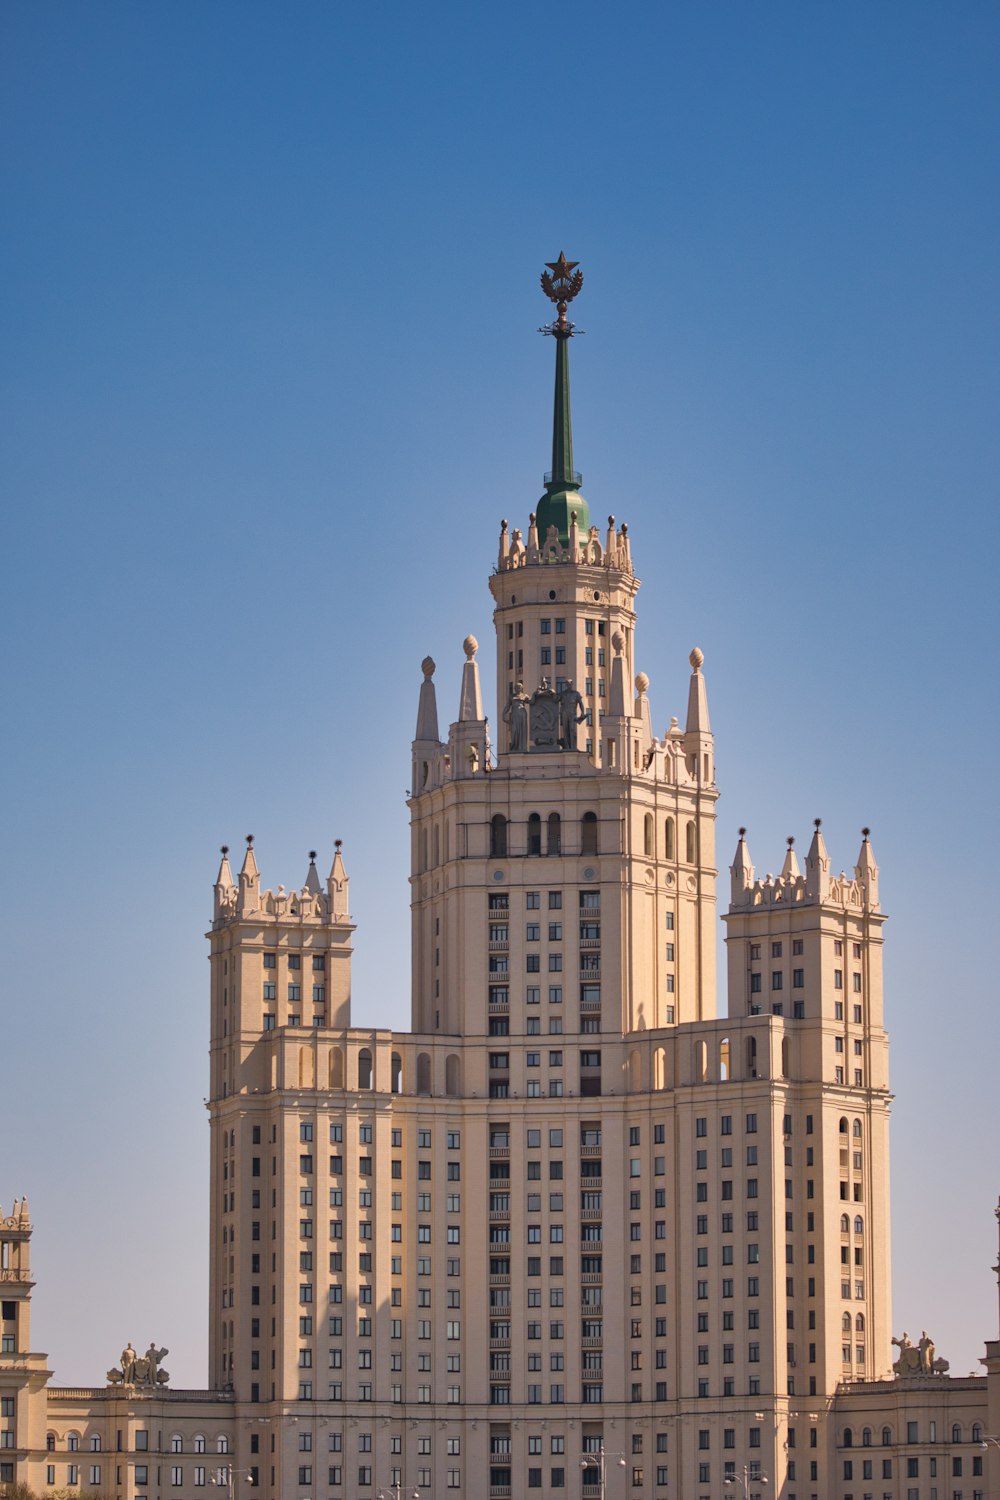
{"type": "Point", "coordinates": [364, 1069]}
{"type": "Point", "coordinates": [859, 1323]}
{"type": "Point", "coordinates": [222, 1445]}
{"type": "Point", "coordinates": [647, 836]}
{"type": "Point", "coordinates": [977, 1433]}
{"type": "Point", "coordinates": [176, 1443]}
{"type": "Point", "coordinates": [396, 1073]}
{"type": "Point", "coordinates": [866, 1437]}
{"type": "Point", "coordinates": [423, 1073]}
{"type": "Point", "coordinates": [724, 1059]}
{"type": "Point", "coordinates": [785, 1057]}
{"type": "Point", "coordinates": [669, 844]}
{"type": "Point", "coordinates": [588, 833]}
{"type": "Point", "coordinates": [701, 1062]}
{"type": "Point", "coordinates": [660, 1068]}
{"type": "Point", "coordinates": [845, 1323]}
{"type": "Point", "coordinates": [336, 1068]}
{"type": "Point", "coordinates": [845, 1224]}
{"type": "Point", "coordinates": [843, 1124]}
{"type": "Point", "coordinates": [498, 836]}
{"type": "Point", "coordinates": [534, 833]}
{"type": "Point", "coordinates": [50, 1442]}
{"type": "Point", "coordinates": [857, 1130]}
{"type": "Point", "coordinates": [453, 1075]}
{"type": "Point", "coordinates": [690, 839]}
{"type": "Point", "coordinates": [72, 1442]}
{"type": "Point", "coordinates": [848, 1434]}
{"type": "Point", "coordinates": [199, 1442]}
{"type": "Point", "coordinates": [886, 1437]}
{"type": "Point", "coordinates": [956, 1433]}
{"type": "Point", "coordinates": [859, 1225]}
{"type": "Point", "coordinates": [554, 835]}
{"type": "Point", "coordinates": [751, 1057]}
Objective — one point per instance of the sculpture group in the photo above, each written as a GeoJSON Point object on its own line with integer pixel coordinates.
{"type": "Point", "coordinates": [918, 1359]}
{"type": "Point", "coordinates": [547, 720]}
{"type": "Point", "coordinates": [140, 1369]}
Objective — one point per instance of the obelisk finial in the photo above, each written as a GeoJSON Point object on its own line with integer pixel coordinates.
{"type": "Point", "coordinates": [562, 280]}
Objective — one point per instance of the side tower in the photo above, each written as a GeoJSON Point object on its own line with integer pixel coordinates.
{"type": "Point", "coordinates": [281, 1009]}
{"type": "Point", "coordinates": [23, 1375]}
{"type": "Point", "coordinates": [805, 956]}
{"type": "Point", "coordinates": [569, 886]}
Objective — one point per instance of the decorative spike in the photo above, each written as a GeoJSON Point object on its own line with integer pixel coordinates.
{"type": "Point", "coordinates": [741, 871]}
{"type": "Point", "coordinates": [866, 870]}
{"type": "Point", "coordinates": [790, 869]}
{"type": "Point", "coordinates": [470, 708]}
{"type": "Point", "coordinates": [337, 884]}
{"type": "Point", "coordinates": [427, 714]}
{"type": "Point", "coordinates": [817, 866]}
{"type": "Point", "coordinates": [697, 714]}
{"type": "Point", "coordinates": [312, 884]}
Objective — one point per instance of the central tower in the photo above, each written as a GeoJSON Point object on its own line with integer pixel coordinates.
{"type": "Point", "coordinates": [588, 841]}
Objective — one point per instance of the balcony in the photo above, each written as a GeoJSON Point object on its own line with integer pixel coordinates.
{"type": "Point", "coordinates": [590, 1151]}
{"type": "Point", "coordinates": [500, 1343]}
{"type": "Point", "coordinates": [590, 943]}
{"type": "Point", "coordinates": [589, 973]}
{"type": "Point", "coordinates": [592, 1343]}
{"type": "Point", "coordinates": [588, 1278]}
{"type": "Point", "coordinates": [499, 1153]}
{"type": "Point", "coordinates": [498, 945]}
{"type": "Point", "coordinates": [502, 1007]}
{"type": "Point", "coordinates": [585, 1004]}
{"type": "Point", "coordinates": [504, 1280]}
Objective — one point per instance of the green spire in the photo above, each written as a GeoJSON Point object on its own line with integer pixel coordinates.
{"type": "Point", "coordinates": [562, 486]}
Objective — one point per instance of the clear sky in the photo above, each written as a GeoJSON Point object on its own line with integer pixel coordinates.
{"type": "Point", "coordinates": [271, 379]}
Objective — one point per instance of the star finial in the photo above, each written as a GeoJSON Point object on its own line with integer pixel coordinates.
{"type": "Point", "coordinates": [564, 283]}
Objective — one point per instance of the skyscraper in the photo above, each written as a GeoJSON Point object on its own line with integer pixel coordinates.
{"type": "Point", "coordinates": [575, 1231]}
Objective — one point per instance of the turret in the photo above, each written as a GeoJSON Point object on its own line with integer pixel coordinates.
{"type": "Point", "coordinates": [790, 869]}
{"type": "Point", "coordinates": [742, 872]}
{"type": "Point", "coordinates": [249, 891]}
{"type": "Point", "coordinates": [817, 867]}
{"type": "Point", "coordinates": [467, 739]}
{"type": "Point", "coordinates": [225, 886]}
{"type": "Point", "coordinates": [426, 740]}
{"type": "Point", "coordinates": [866, 871]}
{"type": "Point", "coordinates": [698, 741]}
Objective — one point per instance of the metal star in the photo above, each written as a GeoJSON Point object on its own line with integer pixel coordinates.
{"type": "Point", "coordinates": [562, 267]}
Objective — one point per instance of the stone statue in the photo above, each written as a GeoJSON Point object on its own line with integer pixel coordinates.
{"type": "Point", "coordinates": [917, 1359]}
{"type": "Point", "coordinates": [571, 713]}
{"type": "Point", "coordinates": [154, 1356]}
{"type": "Point", "coordinates": [516, 715]}
{"type": "Point", "coordinates": [140, 1369]}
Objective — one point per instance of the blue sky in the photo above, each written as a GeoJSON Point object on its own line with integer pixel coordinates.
{"type": "Point", "coordinates": [270, 380]}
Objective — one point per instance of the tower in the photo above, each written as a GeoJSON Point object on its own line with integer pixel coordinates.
{"type": "Point", "coordinates": [23, 1374]}
{"type": "Point", "coordinates": [573, 1207]}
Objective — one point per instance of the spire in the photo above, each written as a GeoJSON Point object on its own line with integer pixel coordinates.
{"type": "Point", "coordinates": [470, 706]}
{"type": "Point", "coordinates": [741, 871]}
{"type": "Point", "coordinates": [312, 884]}
{"type": "Point", "coordinates": [224, 884]}
{"type": "Point", "coordinates": [337, 884]}
{"type": "Point", "coordinates": [224, 880]}
{"type": "Point", "coordinates": [697, 719]}
{"type": "Point", "coordinates": [562, 484]}
{"type": "Point", "coordinates": [817, 866]}
{"type": "Point", "coordinates": [427, 714]}
{"type": "Point", "coordinates": [642, 711]}
{"type": "Point", "coordinates": [249, 880]}
{"type": "Point", "coordinates": [790, 869]}
{"type": "Point", "coordinates": [866, 870]}
{"type": "Point", "coordinates": [616, 698]}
